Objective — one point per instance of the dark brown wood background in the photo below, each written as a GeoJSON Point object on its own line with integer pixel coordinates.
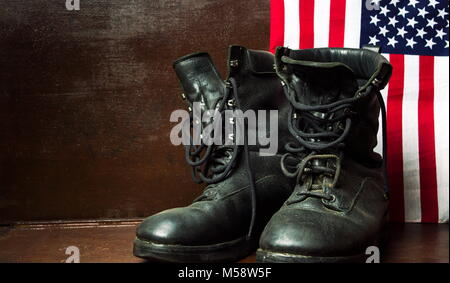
{"type": "Point", "coordinates": [85, 100]}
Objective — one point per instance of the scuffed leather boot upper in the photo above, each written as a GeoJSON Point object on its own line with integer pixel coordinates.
{"type": "Point", "coordinates": [244, 189]}
{"type": "Point", "coordinates": [339, 203]}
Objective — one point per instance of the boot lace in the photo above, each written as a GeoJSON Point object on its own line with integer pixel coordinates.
{"type": "Point", "coordinates": [320, 131]}
{"type": "Point", "coordinates": [212, 164]}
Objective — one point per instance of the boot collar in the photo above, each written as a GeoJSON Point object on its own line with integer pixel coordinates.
{"type": "Point", "coordinates": [242, 61]}
{"type": "Point", "coordinates": [366, 64]}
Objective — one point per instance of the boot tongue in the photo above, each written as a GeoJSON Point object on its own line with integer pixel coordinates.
{"type": "Point", "coordinates": [318, 83]}
{"type": "Point", "coordinates": [200, 79]}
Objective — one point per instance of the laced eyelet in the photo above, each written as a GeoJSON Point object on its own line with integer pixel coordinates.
{"type": "Point", "coordinates": [333, 199]}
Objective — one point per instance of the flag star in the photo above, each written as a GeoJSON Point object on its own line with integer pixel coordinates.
{"type": "Point", "coordinates": [392, 21]}
{"type": "Point", "coordinates": [384, 11]}
{"type": "Point", "coordinates": [440, 33]}
{"type": "Point", "coordinates": [383, 31]}
{"type": "Point", "coordinates": [413, 3]}
{"type": "Point", "coordinates": [422, 12]}
{"type": "Point", "coordinates": [374, 20]}
{"type": "Point", "coordinates": [446, 44]}
{"type": "Point", "coordinates": [401, 32]}
{"type": "Point", "coordinates": [421, 33]}
{"type": "Point", "coordinates": [431, 23]}
{"type": "Point", "coordinates": [442, 13]}
{"type": "Point", "coordinates": [430, 43]}
{"type": "Point", "coordinates": [373, 40]}
{"type": "Point", "coordinates": [402, 12]}
{"type": "Point", "coordinates": [411, 42]}
{"type": "Point", "coordinates": [412, 22]}
{"type": "Point", "coordinates": [393, 42]}
{"type": "Point", "coordinates": [394, 2]}
{"type": "Point", "coordinates": [433, 3]}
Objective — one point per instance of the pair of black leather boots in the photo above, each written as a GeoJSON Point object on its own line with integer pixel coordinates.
{"type": "Point", "coordinates": [321, 198]}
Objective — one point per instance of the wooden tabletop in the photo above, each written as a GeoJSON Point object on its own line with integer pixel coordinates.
{"type": "Point", "coordinates": [111, 241]}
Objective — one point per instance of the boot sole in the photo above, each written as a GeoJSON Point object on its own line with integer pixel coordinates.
{"type": "Point", "coordinates": [266, 256]}
{"type": "Point", "coordinates": [222, 252]}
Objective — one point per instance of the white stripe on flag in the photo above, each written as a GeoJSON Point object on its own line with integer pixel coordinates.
{"type": "Point", "coordinates": [379, 148]}
{"type": "Point", "coordinates": [291, 24]}
{"type": "Point", "coordinates": [410, 134]}
{"type": "Point", "coordinates": [321, 23]}
{"type": "Point", "coordinates": [352, 33]}
{"type": "Point", "coordinates": [441, 124]}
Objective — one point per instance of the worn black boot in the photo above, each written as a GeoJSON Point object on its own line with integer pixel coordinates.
{"type": "Point", "coordinates": [244, 189]}
{"type": "Point", "coordinates": [339, 205]}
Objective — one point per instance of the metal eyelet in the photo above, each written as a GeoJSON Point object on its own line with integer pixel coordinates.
{"type": "Point", "coordinates": [234, 63]}
{"type": "Point", "coordinates": [333, 199]}
{"type": "Point", "coordinates": [376, 82]}
{"type": "Point", "coordinates": [359, 94]}
{"type": "Point", "coordinates": [183, 96]}
{"type": "Point", "coordinates": [231, 102]}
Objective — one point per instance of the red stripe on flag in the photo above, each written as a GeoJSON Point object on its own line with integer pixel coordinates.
{"type": "Point", "coordinates": [276, 24]}
{"type": "Point", "coordinates": [394, 138]}
{"type": "Point", "coordinates": [427, 153]}
{"type": "Point", "coordinates": [337, 23]}
{"type": "Point", "coordinates": [306, 24]}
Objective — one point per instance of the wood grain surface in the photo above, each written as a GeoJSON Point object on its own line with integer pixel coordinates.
{"type": "Point", "coordinates": [112, 241]}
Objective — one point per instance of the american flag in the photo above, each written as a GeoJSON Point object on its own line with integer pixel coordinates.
{"type": "Point", "coordinates": [413, 35]}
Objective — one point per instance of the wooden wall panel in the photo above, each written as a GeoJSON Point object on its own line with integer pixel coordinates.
{"type": "Point", "coordinates": [85, 100]}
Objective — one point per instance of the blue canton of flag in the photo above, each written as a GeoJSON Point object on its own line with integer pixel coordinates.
{"type": "Point", "coordinates": [416, 27]}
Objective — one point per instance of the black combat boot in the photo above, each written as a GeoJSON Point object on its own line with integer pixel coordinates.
{"type": "Point", "coordinates": [339, 205]}
{"type": "Point", "coordinates": [244, 189]}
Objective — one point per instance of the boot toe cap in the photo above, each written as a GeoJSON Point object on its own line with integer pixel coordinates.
{"type": "Point", "coordinates": [188, 226]}
{"type": "Point", "coordinates": [160, 228]}
{"type": "Point", "coordinates": [168, 227]}
{"type": "Point", "coordinates": [311, 233]}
